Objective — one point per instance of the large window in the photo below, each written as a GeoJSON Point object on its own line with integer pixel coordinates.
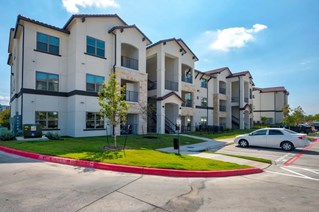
{"type": "Point", "coordinates": [203, 83]}
{"type": "Point", "coordinates": [94, 83]}
{"type": "Point", "coordinates": [47, 120]}
{"type": "Point", "coordinates": [47, 82]}
{"type": "Point", "coordinates": [94, 120]}
{"type": "Point", "coordinates": [47, 43]}
{"type": "Point", "coordinates": [95, 47]}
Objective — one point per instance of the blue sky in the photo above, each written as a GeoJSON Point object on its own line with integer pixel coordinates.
{"type": "Point", "coordinates": [276, 40]}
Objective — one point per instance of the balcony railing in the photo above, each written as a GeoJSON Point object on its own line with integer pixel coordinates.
{"type": "Point", "coordinates": [187, 78]}
{"type": "Point", "coordinates": [131, 96]}
{"type": "Point", "coordinates": [129, 62]}
{"type": "Point", "coordinates": [151, 85]}
{"type": "Point", "coordinates": [235, 99]}
{"type": "Point", "coordinates": [222, 108]}
{"type": "Point", "coordinates": [171, 85]}
{"type": "Point", "coordinates": [222, 90]}
{"type": "Point", "coordinates": [187, 103]}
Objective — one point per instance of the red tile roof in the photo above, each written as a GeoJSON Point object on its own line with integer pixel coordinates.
{"type": "Point", "coordinates": [272, 89]}
{"type": "Point", "coordinates": [168, 95]}
{"type": "Point", "coordinates": [217, 71]}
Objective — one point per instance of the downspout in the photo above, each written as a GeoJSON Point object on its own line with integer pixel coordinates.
{"type": "Point", "coordinates": [22, 70]}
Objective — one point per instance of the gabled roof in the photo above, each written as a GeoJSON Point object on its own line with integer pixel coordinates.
{"type": "Point", "coordinates": [92, 16]}
{"type": "Point", "coordinates": [272, 89]}
{"type": "Point", "coordinates": [168, 95]}
{"type": "Point", "coordinates": [194, 56]}
{"type": "Point", "coordinates": [165, 41]}
{"type": "Point", "coordinates": [217, 71]}
{"type": "Point", "coordinates": [130, 27]}
{"type": "Point", "coordinates": [238, 74]}
{"type": "Point", "coordinates": [23, 18]}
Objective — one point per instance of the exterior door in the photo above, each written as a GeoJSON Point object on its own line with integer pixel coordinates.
{"type": "Point", "coordinates": [258, 138]}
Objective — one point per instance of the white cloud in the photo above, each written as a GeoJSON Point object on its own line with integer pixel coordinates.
{"type": "Point", "coordinates": [4, 100]}
{"type": "Point", "coordinates": [72, 6]}
{"type": "Point", "coordinates": [236, 37]}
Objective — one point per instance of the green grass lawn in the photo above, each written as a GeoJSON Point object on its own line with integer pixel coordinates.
{"type": "Point", "coordinates": [141, 152]}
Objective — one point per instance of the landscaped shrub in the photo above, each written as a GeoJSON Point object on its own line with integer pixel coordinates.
{"type": "Point", "coordinates": [53, 136]}
{"type": "Point", "coordinates": [6, 135]}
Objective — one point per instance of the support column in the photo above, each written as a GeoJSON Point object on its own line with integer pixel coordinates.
{"type": "Point", "coordinates": [160, 118]}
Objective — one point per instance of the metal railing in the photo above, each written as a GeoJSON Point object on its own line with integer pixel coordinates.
{"type": "Point", "coordinates": [187, 103]}
{"type": "Point", "coordinates": [151, 85]}
{"type": "Point", "coordinates": [222, 108]}
{"type": "Point", "coordinates": [129, 129]}
{"type": "Point", "coordinates": [235, 99]}
{"type": "Point", "coordinates": [187, 78]}
{"type": "Point", "coordinates": [171, 85]}
{"type": "Point", "coordinates": [131, 96]}
{"type": "Point", "coordinates": [129, 62]}
{"type": "Point", "coordinates": [222, 90]}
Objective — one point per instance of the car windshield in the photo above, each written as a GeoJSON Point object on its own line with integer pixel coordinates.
{"type": "Point", "coordinates": [290, 131]}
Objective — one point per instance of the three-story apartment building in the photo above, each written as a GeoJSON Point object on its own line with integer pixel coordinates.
{"type": "Point", "coordinates": [57, 72]}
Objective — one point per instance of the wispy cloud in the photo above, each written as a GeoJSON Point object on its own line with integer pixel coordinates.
{"type": "Point", "coordinates": [72, 6]}
{"type": "Point", "coordinates": [4, 100]}
{"type": "Point", "coordinates": [236, 37]}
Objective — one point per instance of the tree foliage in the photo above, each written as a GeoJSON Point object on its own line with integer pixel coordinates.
{"type": "Point", "coordinates": [5, 118]}
{"type": "Point", "coordinates": [112, 102]}
{"type": "Point", "coordinates": [293, 116]}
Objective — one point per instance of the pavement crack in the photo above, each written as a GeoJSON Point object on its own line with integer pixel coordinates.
{"type": "Point", "coordinates": [116, 190]}
{"type": "Point", "coordinates": [190, 201]}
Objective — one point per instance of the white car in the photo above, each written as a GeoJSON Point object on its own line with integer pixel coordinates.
{"type": "Point", "coordinates": [273, 137]}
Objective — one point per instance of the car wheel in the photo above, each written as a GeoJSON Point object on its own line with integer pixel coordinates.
{"type": "Point", "coordinates": [287, 146]}
{"type": "Point", "coordinates": [243, 143]}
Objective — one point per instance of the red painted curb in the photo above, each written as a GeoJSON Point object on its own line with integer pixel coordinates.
{"type": "Point", "coordinates": [132, 169]}
{"type": "Point", "coordinates": [290, 161]}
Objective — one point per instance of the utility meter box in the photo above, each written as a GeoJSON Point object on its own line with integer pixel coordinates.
{"type": "Point", "coordinates": [32, 131]}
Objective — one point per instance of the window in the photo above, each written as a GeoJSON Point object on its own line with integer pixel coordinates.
{"type": "Point", "coordinates": [94, 83]}
{"type": "Point", "coordinates": [95, 47]}
{"type": "Point", "coordinates": [260, 132]}
{"type": "Point", "coordinates": [203, 83]}
{"type": "Point", "coordinates": [47, 43]}
{"type": "Point", "coordinates": [204, 102]}
{"type": "Point", "coordinates": [275, 132]}
{"type": "Point", "coordinates": [203, 120]}
{"type": "Point", "coordinates": [47, 120]}
{"type": "Point", "coordinates": [94, 120]}
{"type": "Point", "coordinates": [47, 82]}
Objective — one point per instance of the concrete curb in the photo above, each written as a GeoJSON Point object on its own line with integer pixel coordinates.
{"type": "Point", "coordinates": [132, 169]}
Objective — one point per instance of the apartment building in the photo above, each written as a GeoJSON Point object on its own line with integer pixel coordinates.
{"type": "Point", "coordinates": [57, 72]}
{"type": "Point", "coordinates": [269, 103]}
{"type": "Point", "coordinates": [170, 69]}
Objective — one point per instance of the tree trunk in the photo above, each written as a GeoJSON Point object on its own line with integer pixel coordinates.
{"type": "Point", "coordinates": [114, 136]}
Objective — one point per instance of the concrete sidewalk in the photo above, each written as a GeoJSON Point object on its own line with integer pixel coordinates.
{"type": "Point", "coordinates": [210, 145]}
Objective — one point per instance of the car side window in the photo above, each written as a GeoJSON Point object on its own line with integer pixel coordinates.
{"type": "Point", "coordinates": [275, 132]}
{"type": "Point", "coordinates": [259, 132]}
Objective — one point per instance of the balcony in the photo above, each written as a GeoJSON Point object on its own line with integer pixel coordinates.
{"type": "Point", "coordinates": [171, 85]}
{"type": "Point", "coordinates": [187, 78]}
{"type": "Point", "coordinates": [235, 99]}
{"type": "Point", "coordinates": [222, 90]}
{"type": "Point", "coordinates": [187, 103]}
{"type": "Point", "coordinates": [129, 62]}
{"type": "Point", "coordinates": [222, 108]}
{"type": "Point", "coordinates": [131, 96]}
{"type": "Point", "coordinates": [151, 85]}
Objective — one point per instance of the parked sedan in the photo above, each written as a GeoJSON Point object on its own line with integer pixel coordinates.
{"type": "Point", "coordinates": [273, 137]}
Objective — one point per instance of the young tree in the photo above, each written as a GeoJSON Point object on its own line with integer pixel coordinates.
{"type": "Point", "coordinates": [299, 115]}
{"type": "Point", "coordinates": [5, 118]}
{"type": "Point", "coordinates": [112, 101]}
